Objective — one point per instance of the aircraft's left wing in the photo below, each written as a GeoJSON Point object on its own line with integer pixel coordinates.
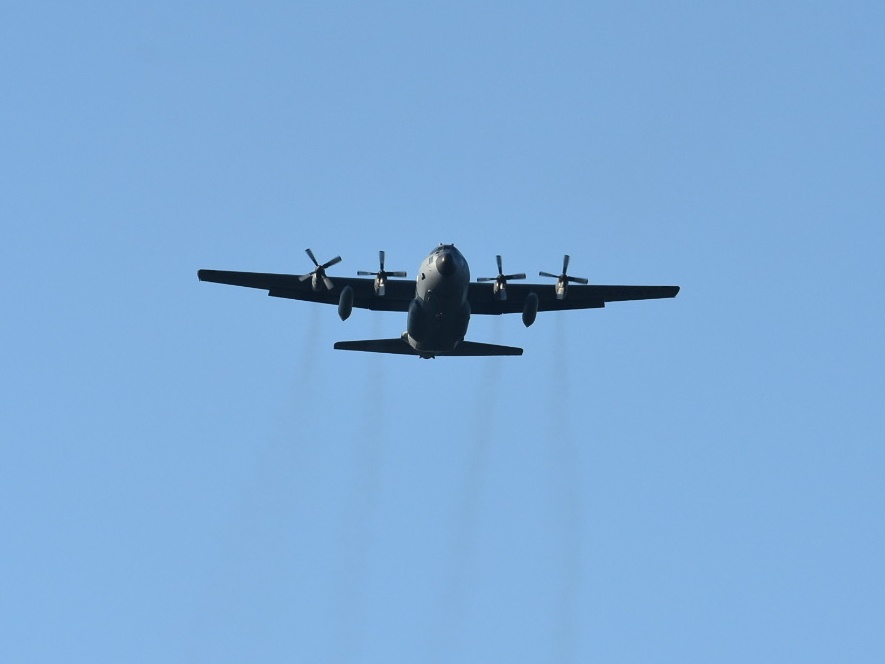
{"type": "Point", "coordinates": [398, 293]}
{"type": "Point", "coordinates": [483, 300]}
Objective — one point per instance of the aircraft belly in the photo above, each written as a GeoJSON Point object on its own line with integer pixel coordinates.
{"type": "Point", "coordinates": [446, 321]}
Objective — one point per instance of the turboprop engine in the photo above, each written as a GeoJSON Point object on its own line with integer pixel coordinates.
{"type": "Point", "coordinates": [381, 275]}
{"type": "Point", "coordinates": [562, 280]}
{"type": "Point", "coordinates": [318, 278]}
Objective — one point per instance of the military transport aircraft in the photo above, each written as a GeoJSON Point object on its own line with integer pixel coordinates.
{"type": "Point", "coordinates": [439, 302]}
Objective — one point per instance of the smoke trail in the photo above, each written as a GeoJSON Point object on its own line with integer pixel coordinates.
{"type": "Point", "coordinates": [566, 481]}
{"type": "Point", "coordinates": [357, 537]}
{"type": "Point", "coordinates": [497, 329]}
{"type": "Point", "coordinates": [254, 549]}
{"type": "Point", "coordinates": [307, 366]}
{"type": "Point", "coordinates": [457, 578]}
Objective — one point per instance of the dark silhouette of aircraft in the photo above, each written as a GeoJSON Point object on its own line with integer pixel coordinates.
{"type": "Point", "coordinates": [440, 300]}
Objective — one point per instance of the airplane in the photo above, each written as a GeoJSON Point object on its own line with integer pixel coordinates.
{"type": "Point", "coordinates": [439, 302]}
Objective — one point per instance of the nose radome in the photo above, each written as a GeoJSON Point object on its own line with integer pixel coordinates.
{"type": "Point", "coordinates": [445, 263]}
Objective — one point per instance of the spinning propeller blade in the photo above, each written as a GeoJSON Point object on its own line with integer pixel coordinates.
{"type": "Point", "coordinates": [565, 277]}
{"type": "Point", "coordinates": [500, 288]}
{"type": "Point", "coordinates": [319, 272]}
{"type": "Point", "coordinates": [382, 273]}
{"type": "Point", "coordinates": [502, 278]}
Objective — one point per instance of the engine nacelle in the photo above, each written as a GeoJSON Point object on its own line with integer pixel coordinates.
{"type": "Point", "coordinates": [530, 310]}
{"type": "Point", "coordinates": [345, 303]}
{"type": "Point", "coordinates": [380, 285]}
{"type": "Point", "coordinates": [417, 321]}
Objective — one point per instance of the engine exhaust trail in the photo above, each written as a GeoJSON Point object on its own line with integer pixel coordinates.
{"type": "Point", "coordinates": [357, 535]}
{"type": "Point", "coordinates": [306, 369]}
{"type": "Point", "coordinates": [459, 573]}
{"type": "Point", "coordinates": [264, 502]}
{"type": "Point", "coordinates": [566, 488]}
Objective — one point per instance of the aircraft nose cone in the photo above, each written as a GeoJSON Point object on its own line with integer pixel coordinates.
{"type": "Point", "coordinates": [445, 264]}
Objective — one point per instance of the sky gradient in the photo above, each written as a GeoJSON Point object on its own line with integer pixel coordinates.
{"type": "Point", "coordinates": [190, 472]}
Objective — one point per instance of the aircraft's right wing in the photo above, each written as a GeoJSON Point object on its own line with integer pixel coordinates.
{"type": "Point", "coordinates": [399, 292]}
{"type": "Point", "coordinates": [483, 300]}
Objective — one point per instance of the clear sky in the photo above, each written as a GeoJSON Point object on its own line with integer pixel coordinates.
{"type": "Point", "coordinates": [190, 472]}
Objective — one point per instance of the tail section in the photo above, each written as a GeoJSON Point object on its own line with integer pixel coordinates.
{"type": "Point", "coordinates": [475, 349]}
{"type": "Point", "coordinates": [395, 346]}
{"type": "Point", "coordinates": [400, 347]}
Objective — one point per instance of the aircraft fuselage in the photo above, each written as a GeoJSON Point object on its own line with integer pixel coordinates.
{"type": "Point", "coordinates": [440, 312]}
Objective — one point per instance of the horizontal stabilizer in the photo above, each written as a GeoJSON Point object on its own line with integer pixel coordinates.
{"type": "Point", "coordinates": [396, 346]}
{"type": "Point", "coordinates": [475, 349]}
{"type": "Point", "coordinates": [400, 347]}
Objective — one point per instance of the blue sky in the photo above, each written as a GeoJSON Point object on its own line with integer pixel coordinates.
{"type": "Point", "coordinates": [190, 472]}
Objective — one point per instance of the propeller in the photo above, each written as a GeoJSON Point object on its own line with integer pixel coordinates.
{"type": "Point", "coordinates": [501, 280]}
{"type": "Point", "coordinates": [319, 273]}
{"type": "Point", "coordinates": [381, 275]}
{"type": "Point", "coordinates": [563, 279]}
